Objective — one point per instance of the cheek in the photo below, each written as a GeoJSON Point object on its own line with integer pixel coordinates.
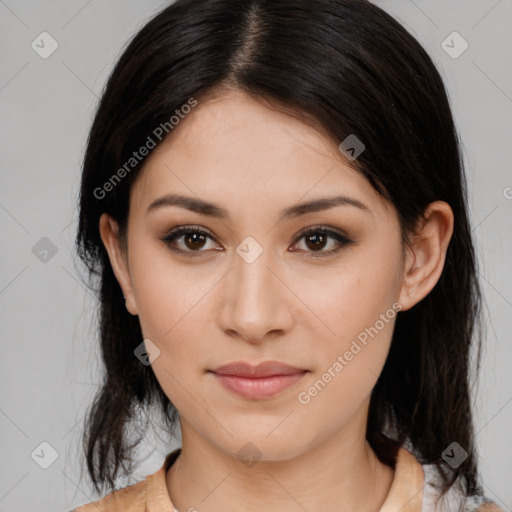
{"type": "Point", "coordinates": [360, 311]}
{"type": "Point", "coordinates": [354, 296]}
{"type": "Point", "coordinates": [171, 313]}
{"type": "Point", "coordinates": [165, 292]}
{"type": "Point", "coordinates": [355, 315]}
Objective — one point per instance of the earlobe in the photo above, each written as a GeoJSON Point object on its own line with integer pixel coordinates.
{"type": "Point", "coordinates": [426, 257]}
{"type": "Point", "coordinates": [109, 235]}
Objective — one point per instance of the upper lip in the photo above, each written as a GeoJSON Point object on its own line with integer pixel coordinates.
{"type": "Point", "coordinates": [264, 369]}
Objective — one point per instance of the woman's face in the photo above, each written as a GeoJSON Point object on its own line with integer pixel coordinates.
{"type": "Point", "coordinates": [252, 288]}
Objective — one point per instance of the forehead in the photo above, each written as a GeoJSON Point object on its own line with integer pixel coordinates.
{"type": "Point", "coordinates": [234, 149]}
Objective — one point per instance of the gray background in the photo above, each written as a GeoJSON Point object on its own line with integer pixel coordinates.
{"type": "Point", "coordinates": [49, 363]}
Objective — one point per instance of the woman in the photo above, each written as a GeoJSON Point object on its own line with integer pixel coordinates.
{"type": "Point", "coordinates": [274, 202]}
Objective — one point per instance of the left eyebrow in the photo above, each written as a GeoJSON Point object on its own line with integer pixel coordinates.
{"type": "Point", "coordinates": [324, 203]}
{"type": "Point", "coordinates": [214, 210]}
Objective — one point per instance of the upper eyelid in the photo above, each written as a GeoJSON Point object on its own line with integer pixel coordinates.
{"type": "Point", "coordinates": [302, 232]}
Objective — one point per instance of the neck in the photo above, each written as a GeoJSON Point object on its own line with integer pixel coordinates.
{"type": "Point", "coordinates": [342, 473]}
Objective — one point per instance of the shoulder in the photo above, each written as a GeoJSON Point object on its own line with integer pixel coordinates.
{"type": "Point", "coordinates": [128, 499]}
{"type": "Point", "coordinates": [489, 506]}
{"type": "Point", "coordinates": [150, 493]}
{"type": "Point", "coordinates": [455, 499]}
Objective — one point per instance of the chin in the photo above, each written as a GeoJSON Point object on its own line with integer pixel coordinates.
{"type": "Point", "coordinates": [256, 445]}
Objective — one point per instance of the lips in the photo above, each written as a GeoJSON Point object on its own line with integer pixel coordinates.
{"type": "Point", "coordinates": [265, 369]}
{"type": "Point", "coordinates": [257, 382]}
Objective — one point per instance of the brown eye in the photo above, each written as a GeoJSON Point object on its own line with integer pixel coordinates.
{"type": "Point", "coordinates": [316, 239]}
{"type": "Point", "coordinates": [193, 240]}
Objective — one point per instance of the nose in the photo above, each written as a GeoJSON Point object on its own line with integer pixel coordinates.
{"type": "Point", "coordinates": [256, 303]}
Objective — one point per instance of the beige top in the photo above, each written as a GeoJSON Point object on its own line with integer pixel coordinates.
{"type": "Point", "coordinates": [151, 495]}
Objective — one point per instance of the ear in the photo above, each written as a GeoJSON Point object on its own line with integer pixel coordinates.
{"type": "Point", "coordinates": [424, 261]}
{"type": "Point", "coordinates": [118, 259]}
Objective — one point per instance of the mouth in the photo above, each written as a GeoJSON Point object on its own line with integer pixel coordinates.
{"type": "Point", "coordinates": [264, 380]}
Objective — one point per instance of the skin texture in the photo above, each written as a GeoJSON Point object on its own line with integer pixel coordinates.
{"type": "Point", "coordinates": [215, 308]}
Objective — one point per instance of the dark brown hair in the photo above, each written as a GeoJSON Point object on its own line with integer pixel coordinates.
{"type": "Point", "coordinates": [346, 67]}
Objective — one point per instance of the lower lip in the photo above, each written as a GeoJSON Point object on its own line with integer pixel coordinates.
{"type": "Point", "coordinates": [258, 388]}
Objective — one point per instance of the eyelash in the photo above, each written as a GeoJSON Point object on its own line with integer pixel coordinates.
{"type": "Point", "coordinates": [183, 230]}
